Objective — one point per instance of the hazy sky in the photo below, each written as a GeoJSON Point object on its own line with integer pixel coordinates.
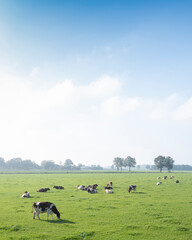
{"type": "Point", "coordinates": [92, 80]}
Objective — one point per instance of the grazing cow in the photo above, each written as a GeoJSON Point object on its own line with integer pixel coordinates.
{"type": "Point", "coordinates": [109, 184]}
{"type": "Point", "coordinates": [177, 181]}
{"type": "Point", "coordinates": [43, 189]}
{"type": "Point", "coordinates": [58, 187]}
{"type": "Point", "coordinates": [159, 183]}
{"type": "Point", "coordinates": [42, 207]}
{"type": "Point", "coordinates": [165, 177]}
{"type": "Point", "coordinates": [25, 195]}
{"type": "Point", "coordinates": [132, 187]}
{"type": "Point", "coordinates": [109, 191]}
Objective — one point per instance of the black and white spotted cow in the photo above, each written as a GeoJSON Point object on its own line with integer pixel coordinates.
{"type": "Point", "coordinates": [42, 207]}
{"type": "Point", "coordinates": [132, 187]}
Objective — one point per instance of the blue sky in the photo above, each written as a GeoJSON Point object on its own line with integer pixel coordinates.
{"type": "Point", "coordinates": [93, 80]}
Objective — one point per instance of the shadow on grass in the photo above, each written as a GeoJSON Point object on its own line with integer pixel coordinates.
{"type": "Point", "coordinates": [59, 221]}
{"type": "Point", "coordinates": [138, 193]}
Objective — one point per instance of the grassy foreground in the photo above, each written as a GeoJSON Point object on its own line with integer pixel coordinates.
{"type": "Point", "coordinates": [152, 212]}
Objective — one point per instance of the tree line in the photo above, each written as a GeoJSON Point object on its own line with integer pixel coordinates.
{"type": "Point", "coordinates": [19, 164]}
{"type": "Point", "coordinates": [160, 163]}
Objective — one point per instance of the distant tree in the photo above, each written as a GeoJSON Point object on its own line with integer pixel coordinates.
{"type": "Point", "coordinates": [118, 162]}
{"type": "Point", "coordinates": [68, 164]}
{"type": "Point", "coordinates": [14, 164]}
{"type": "Point", "coordinates": [48, 165]}
{"type": "Point", "coordinates": [169, 163]}
{"type": "Point", "coordinates": [138, 167]}
{"type": "Point", "coordinates": [182, 167]}
{"type": "Point", "coordinates": [29, 165]}
{"type": "Point", "coordinates": [2, 163]}
{"type": "Point", "coordinates": [147, 167]}
{"type": "Point", "coordinates": [160, 162]}
{"type": "Point", "coordinates": [129, 162]}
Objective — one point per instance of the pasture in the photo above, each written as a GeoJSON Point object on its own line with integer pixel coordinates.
{"type": "Point", "coordinates": [151, 212]}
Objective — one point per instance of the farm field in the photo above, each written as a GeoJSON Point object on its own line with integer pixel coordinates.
{"type": "Point", "coordinates": [151, 212]}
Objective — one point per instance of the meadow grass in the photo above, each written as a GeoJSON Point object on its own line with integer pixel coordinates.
{"type": "Point", "coordinates": [151, 212]}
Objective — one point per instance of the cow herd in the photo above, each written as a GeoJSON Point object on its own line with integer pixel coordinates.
{"type": "Point", "coordinates": [50, 208]}
{"type": "Point", "coordinates": [165, 177]}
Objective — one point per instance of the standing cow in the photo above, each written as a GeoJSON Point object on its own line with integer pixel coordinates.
{"type": "Point", "coordinates": [42, 207]}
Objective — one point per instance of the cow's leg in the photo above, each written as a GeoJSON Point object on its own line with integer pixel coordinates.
{"type": "Point", "coordinates": [38, 214]}
{"type": "Point", "coordinates": [34, 215]}
{"type": "Point", "coordinates": [47, 214]}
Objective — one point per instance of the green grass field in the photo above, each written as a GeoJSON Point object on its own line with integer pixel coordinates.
{"type": "Point", "coordinates": [152, 212]}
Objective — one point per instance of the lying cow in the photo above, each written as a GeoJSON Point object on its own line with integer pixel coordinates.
{"type": "Point", "coordinates": [158, 177]}
{"type": "Point", "coordinates": [171, 177]}
{"type": "Point", "coordinates": [91, 190]}
{"type": "Point", "coordinates": [42, 207]}
{"type": "Point", "coordinates": [94, 186]}
{"type": "Point", "coordinates": [43, 189]}
{"type": "Point", "coordinates": [58, 187]}
{"type": "Point", "coordinates": [108, 187]}
{"type": "Point", "coordinates": [132, 187]}
{"type": "Point", "coordinates": [177, 181]}
{"type": "Point", "coordinates": [159, 183]}
{"type": "Point", "coordinates": [165, 177]}
{"type": "Point", "coordinates": [25, 195]}
{"type": "Point", "coordinates": [82, 187]}
{"type": "Point", "coordinates": [109, 191]}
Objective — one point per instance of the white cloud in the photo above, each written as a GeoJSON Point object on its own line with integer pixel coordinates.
{"type": "Point", "coordinates": [90, 123]}
{"type": "Point", "coordinates": [118, 106]}
{"type": "Point", "coordinates": [183, 112]}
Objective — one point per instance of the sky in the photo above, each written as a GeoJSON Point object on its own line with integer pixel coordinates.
{"type": "Point", "coordinates": [94, 80]}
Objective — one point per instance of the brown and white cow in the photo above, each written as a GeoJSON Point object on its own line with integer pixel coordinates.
{"type": "Point", "coordinates": [42, 207]}
{"type": "Point", "coordinates": [132, 187]}
{"type": "Point", "coordinates": [58, 187]}
{"type": "Point", "coordinates": [43, 189]}
{"type": "Point", "coordinates": [109, 184]}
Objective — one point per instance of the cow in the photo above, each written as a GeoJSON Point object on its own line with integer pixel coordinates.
{"type": "Point", "coordinates": [177, 181]}
{"type": "Point", "coordinates": [43, 189]}
{"type": "Point", "coordinates": [165, 177]}
{"type": "Point", "coordinates": [132, 187]}
{"type": "Point", "coordinates": [159, 183]}
{"type": "Point", "coordinates": [91, 190]}
{"type": "Point", "coordinates": [82, 187]}
{"type": "Point", "coordinates": [171, 177]}
{"type": "Point", "coordinates": [158, 177]}
{"type": "Point", "coordinates": [109, 184]}
{"type": "Point", "coordinates": [94, 186]}
{"type": "Point", "coordinates": [42, 207]}
{"type": "Point", "coordinates": [109, 191]}
{"type": "Point", "coordinates": [25, 195]}
{"type": "Point", "coordinates": [58, 187]}
{"type": "Point", "coordinates": [107, 187]}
